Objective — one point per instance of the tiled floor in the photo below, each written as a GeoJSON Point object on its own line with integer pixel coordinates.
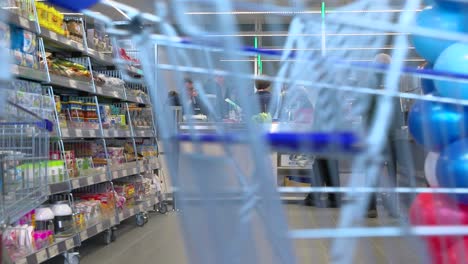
{"type": "Point", "coordinates": [160, 241]}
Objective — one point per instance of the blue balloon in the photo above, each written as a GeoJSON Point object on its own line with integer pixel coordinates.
{"type": "Point", "coordinates": [451, 4]}
{"type": "Point", "coordinates": [436, 125]}
{"type": "Point", "coordinates": [427, 85]}
{"type": "Point", "coordinates": [453, 60]}
{"type": "Point", "coordinates": [440, 19]}
{"type": "Point", "coordinates": [74, 5]}
{"type": "Point", "coordinates": [452, 168]}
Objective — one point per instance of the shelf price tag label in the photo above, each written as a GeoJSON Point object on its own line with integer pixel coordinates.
{"type": "Point", "coordinates": [53, 35]}
{"type": "Point", "coordinates": [41, 256]}
{"type": "Point", "coordinates": [102, 178]}
{"type": "Point", "coordinates": [23, 22]}
{"type": "Point", "coordinates": [99, 228]}
{"type": "Point", "coordinates": [83, 236]}
{"type": "Point", "coordinates": [90, 181]}
{"type": "Point", "coordinates": [72, 83]}
{"type": "Point", "coordinates": [53, 251]}
{"type": "Point", "coordinates": [69, 243]}
{"type": "Point", "coordinates": [21, 261]}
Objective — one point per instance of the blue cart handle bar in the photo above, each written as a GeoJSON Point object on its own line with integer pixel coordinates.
{"type": "Point", "coordinates": [346, 142]}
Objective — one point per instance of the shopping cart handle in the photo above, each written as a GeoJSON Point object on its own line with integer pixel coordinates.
{"type": "Point", "coordinates": [314, 141]}
{"type": "Point", "coordinates": [303, 142]}
{"type": "Point", "coordinates": [46, 124]}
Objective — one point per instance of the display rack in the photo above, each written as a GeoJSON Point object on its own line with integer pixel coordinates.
{"type": "Point", "coordinates": [73, 133]}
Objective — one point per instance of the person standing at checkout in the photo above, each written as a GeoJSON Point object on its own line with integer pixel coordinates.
{"type": "Point", "coordinates": [263, 94]}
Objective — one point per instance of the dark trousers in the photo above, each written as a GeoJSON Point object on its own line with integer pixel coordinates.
{"type": "Point", "coordinates": [391, 159]}
{"type": "Point", "coordinates": [327, 174]}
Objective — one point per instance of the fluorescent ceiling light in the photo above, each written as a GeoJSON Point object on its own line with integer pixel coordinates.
{"type": "Point", "coordinates": [297, 12]}
{"type": "Point", "coordinates": [305, 35]}
{"type": "Point", "coordinates": [329, 49]}
{"type": "Point", "coordinates": [292, 60]}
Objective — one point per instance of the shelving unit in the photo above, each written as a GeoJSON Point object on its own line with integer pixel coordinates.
{"type": "Point", "coordinates": [132, 101]}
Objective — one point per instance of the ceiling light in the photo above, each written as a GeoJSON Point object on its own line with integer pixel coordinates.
{"type": "Point", "coordinates": [296, 12]}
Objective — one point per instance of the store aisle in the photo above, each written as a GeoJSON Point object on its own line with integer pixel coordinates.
{"type": "Point", "coordinates": [160, 239]}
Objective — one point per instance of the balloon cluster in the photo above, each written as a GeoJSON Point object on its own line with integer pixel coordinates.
{"type": "Point", "coordinates": [443, 129]}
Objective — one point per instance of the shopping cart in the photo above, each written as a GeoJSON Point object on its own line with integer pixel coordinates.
{"type": "Point", "coordinates": [24, 153]}
{"type": "Point", "coordinates": [231, 209]}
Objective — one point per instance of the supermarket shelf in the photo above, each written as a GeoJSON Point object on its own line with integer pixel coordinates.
{"type": "Point", "coordinates": [117, 133]}
{"type": "Point", "coordinates": [59, 187]}
{"type": "Point", "coordinates": [20, 21]}
{"type": "Point", "coordinates": [54, 40]}
{"type": "Point", "coordinates": [108, 92]}
{"type": "Point", "coordinates": [66, 82]}
{"type": "Point", "coordinates": [132, 70]}
{"type": "Point", "coordinates": [124, 170]}
{"type": "Point", "coordinates": [88, 180]}
{"type": "Point", "coordinates": [294, 168]}
{"type": "Point", "coordinates": [61, 246]}
{"type": "Point", "coordinates": [97, 229]}
{"type": "Point", "coordinates": [100, 57]}
{"type": "Point", "coordinates": [150, 164]}
{"type": "Point", "coordinates": [138, 208]}
{"type": "Point", "coordinates": [29, 73]}
{"type": "Point", "coordinates": [144, 133]}
{"type": "Point", "coordinates": [80, 133]}
{"type": "Point", "coordinates": [136, 99]}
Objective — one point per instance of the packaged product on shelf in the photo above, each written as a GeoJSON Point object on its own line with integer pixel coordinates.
{"type": "Point", "coordinates": [18, 241]}
{"type": "Point", "coordinates": [30, 50]}
{"type": "Point", "coordinates": [24, 47]}
{"type": "Point", "coordinates": [89, 212]}
{"type": "Point", "coordinates": [16, 45]}
{"type": "Point", "coordinates": [75, 28]}
{"type": "Point", "coordinates": [116, 155]}
{"type": "Point", "coordinates": [63, 219]}
{"type": "Point", "coordinates": [50, 18]}
{"type": "Point", "coordinates": [56, 171]}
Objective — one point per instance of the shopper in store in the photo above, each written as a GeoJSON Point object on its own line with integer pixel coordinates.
{"type": "Point", "coordinates": [194, 101]}
{"type": "Point", "coordinates": [217, 87]}
{"type": "Point", "coordinates": [325, 171]}
{"type": "Point", "coordinates": [377, 81]}
{"type": "Point", "coordinates": [173, 98]}
{"type": "Point", "coordinates": [262, 88]}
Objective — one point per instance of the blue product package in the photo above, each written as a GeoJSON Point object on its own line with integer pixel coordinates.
{"type": "Point", "coordinates": [16, 44]}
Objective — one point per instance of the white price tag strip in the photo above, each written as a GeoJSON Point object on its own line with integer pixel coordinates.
{"type": "Point", "coordinates": [53, 251]}
{"type": "Point", "coordinates": [83, 236]}
{"type": "Point", "coordinates": [79, 132]}
{"type": "Point", "coordinates": [21, 261]}
{"type": "Point", "coordinates": [70, 243]}
{"type": "Point", "coordinates": [73, 83]}
{"type": "Point", "coordinates": [102, 178]}
{"type": "Point", "coordinates": [99, 228]}
{"type": "Point", "coordinates": [53, 35]}
{"type": "Point", "coordinates": [112, 221]}
{"type": "Point", "coordinates": [41, 256]}
{"type": "Point", "coordinates": [23, 22]}
{"type": "Point", "coordinates": [15, 70]}
{"type": "Point", "coordinates": [90, 181]}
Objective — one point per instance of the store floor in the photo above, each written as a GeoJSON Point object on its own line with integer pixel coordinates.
{"type": "Point", "coordinates": [160, 241]}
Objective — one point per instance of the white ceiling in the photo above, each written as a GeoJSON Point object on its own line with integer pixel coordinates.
{"type": "Point", "coordinates": [259, 5]}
